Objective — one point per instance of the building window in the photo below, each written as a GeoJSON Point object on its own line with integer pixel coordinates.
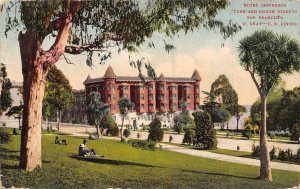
{"type": "Point", "coordinates": [113, 97]}
{"type": "Point", "coordinates": [112, 86]}
{"type": "Point", "coordinates": [197, 87]}
{"type": "Point", "coordinates": [162, 97]}
{"type": "Point", "coordinates": [162, 87]}
{"type": "Point", "coordinates": [174, 106]}
{"type": "Point", "coordinates": [162, 106]}
{"type": "Point", "coordinates": [151, 106]}
{"type": "Point", "coordinates": [188, 105]}
{"type": "Point", "coordinates": [142, 106]}
{"type": "Point", "coordinates": [188, 96]}
{"type": "Point", "coordinates": [108, 97]}
{"type": "Point", "coordinates": [142, 97]}
{"type": "Point", "coordinates": [125, 96]}
{"type": "Point", "coordinates": [107, 87]}
{"type": "Point", "coordinates": [197, 95]}
{"type": "Point", "coordinates": [150, 96]}
{"type": "Point", "coordinates": [197, 106]}
{"type": "Point", "coordinates": [141, 87]}
{"type": "Point", "coordinates": [174, 96]}
{"type": "Point", "coordinates": [150, 87]}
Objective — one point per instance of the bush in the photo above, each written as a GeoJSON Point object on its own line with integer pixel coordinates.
{"type": "Point", "coordinates": [113, 130]}
{"type": "Point", "coordinates": [205, 134]}
{"type": "Point", "coordinates": [178, 128]}
{"type": "Point", "coordinates": [289, 154]}
{"type": "Point", "coordinates": [273, 153]}
{"type": "Point", "coordinates": [138, 135]}
{"type": "Point", "coordinates": [255, 151]}
{"type": "Point", "coordinates": [298, 155]}
{"type": "Point", "coordinates": [170, 139]}
{"type": "Point", "coordinates": [126, 133]}
{"type": "Point", "coordinates": [247, 133]}
{"type": "Point", "coordinates": [5, 137]}
{"type": "Point", "coordinates": [188, 137]}
{"type": "Point", "coordinates": [145, 144]}
{"type": "Point", "coordinates": [295, 132]}
{"type": "Point", "coordinates": [155, 132]}
{"type": "Point", "coordinates": [282, 155]}
{"type": "Point", "coordinates": [128, 126]}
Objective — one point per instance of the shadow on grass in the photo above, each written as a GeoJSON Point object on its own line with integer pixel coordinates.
{"type": "Point", "coordinates": [109, 161]}
{"type": "Point", "coordinates": [4, 150]}
{"type": "Point", "coordinates": [219, 174]}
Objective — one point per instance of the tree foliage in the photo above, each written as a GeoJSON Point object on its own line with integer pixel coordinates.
{"type": "Point", "coordinates": [5, 96]}
{"type": "Point", "coordinates": [125, 106]}
{"type": "Point", "coordinates": [205, 134]}
{"type": "Point", "coordinates": [58, 93]}
{"type": "Point", "coordinates": [97, 110]}
{"type": "Point", "coordinates": [182, 121]}
{"type": "Point", "coordinates": [156, 133]}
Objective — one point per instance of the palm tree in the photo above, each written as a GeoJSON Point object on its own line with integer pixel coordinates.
{"type": "Point", "coordinates": [266, 56]}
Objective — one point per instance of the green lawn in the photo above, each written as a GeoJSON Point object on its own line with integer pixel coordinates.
{"type": "Point", "coordinates": [128, 167]}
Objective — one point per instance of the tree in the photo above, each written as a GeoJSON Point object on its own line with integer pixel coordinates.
{"type": "Point", "coordinates": [126, 133]}
{"type": "Point", "coordinates": [205, 134]}
{"type": "Point", "coordinates": [97, 110]}
{"type": "Point", "coordinates": [266, 56]}
{"type": "Point", "coordinates": [93, 26]}
{"type": "Point", "coordinates": [58, 94]}
{"type": "Point", "coordinates": [181, 121]}
{"type": "Point", "coordinates": [5, 84]}
{"type": "Point", "coordinates": [125, 106]}
{"type": "Point", "coordinates": [295, 132]}
{"type": "Point", "coordinates": [237, 111]}
{"type": "Point", "coordinates": [17, 112]}
{"type": "Point", "coordinates": [156, 133]}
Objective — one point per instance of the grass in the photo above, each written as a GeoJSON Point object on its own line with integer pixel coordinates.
{"type": "Point", "coordinates": [128, 167]}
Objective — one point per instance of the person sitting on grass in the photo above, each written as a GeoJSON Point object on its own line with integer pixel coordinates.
{"type": "Point", "coordinates": [84, 151]}
{"type": "Point", "coordinates": [63, 142]}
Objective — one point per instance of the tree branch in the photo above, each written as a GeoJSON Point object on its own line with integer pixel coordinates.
{"type": "Point", "coordinates": [256, 83]}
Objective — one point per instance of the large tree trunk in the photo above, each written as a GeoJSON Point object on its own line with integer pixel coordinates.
{"type": "Point", "coordinates": [33, 92]}
{"type": "Point", "coordinates": [265, 169]}
{"type": "Point", "coordinates": [237, 123]}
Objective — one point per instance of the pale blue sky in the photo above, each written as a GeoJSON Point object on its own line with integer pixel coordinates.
{"type": "Point", "coordinates": [198, 50]}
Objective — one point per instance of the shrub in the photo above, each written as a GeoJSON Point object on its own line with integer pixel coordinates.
{"type": "Point", "coordinates": [155, 132]}
{"type": "Point", "coordinates": [298, 155]}
{"type": "Point", "coordinates": [247, 133]}
{"type": "Point", "coordinates": [282, 155]}
{"type": "Point", "coordinates": [289, 154]}
{"type": "Point", "coordinates": [205, 134]}
{"type": "Point", "coordinates": [138, 135]}
{"type": "Point", "coordinates": [113, 130]}
{"type": "Point", "coordinates": [170, 139]}
{"type": "Point", "coordinates": [128, 126]}
{"type": "Point", "coordinates": [126, 133]}
{"type": "Point", "coordinates": [255, 151]}
{"type": "Point", "coordinates": [145, 144]}
{"type": "Point", "coordinates": [5, 137]}
{"type": "Point", "coordinates": [273, 153]}
{"type": "Point", "coordinates": [188, 136]}
{"type": "Point", "coordinates": [178, 128]}
{"type": "Point", "coordinates": [295, 132]}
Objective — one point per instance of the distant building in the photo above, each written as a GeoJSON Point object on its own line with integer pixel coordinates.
{"type": "Point", "coordinates": [76, 114]}
{"type": "Point", "coordinates": [163, 97]}
{"type": "Point", "coordinates": [17, 98]}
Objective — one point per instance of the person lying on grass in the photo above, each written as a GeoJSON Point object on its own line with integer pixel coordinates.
{"type": "Point", "coordinates": [84, 151]}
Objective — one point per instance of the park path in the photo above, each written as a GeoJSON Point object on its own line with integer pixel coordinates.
{"type": "Point", "coordinates": [215, 156]}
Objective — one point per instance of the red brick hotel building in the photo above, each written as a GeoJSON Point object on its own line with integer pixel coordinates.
{"type": "Point", "coordinates": [164, 96]}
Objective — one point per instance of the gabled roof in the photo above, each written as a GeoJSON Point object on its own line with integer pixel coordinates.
{"type": "Point", "coordinates": [110, 73]}
{"type": "Point", "coordinates": [196, 76]}
{"type": "Point", "coordinates": [88, 78]}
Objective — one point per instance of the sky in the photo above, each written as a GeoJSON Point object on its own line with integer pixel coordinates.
{"type": "Point", "coordinates": [201, 50]}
